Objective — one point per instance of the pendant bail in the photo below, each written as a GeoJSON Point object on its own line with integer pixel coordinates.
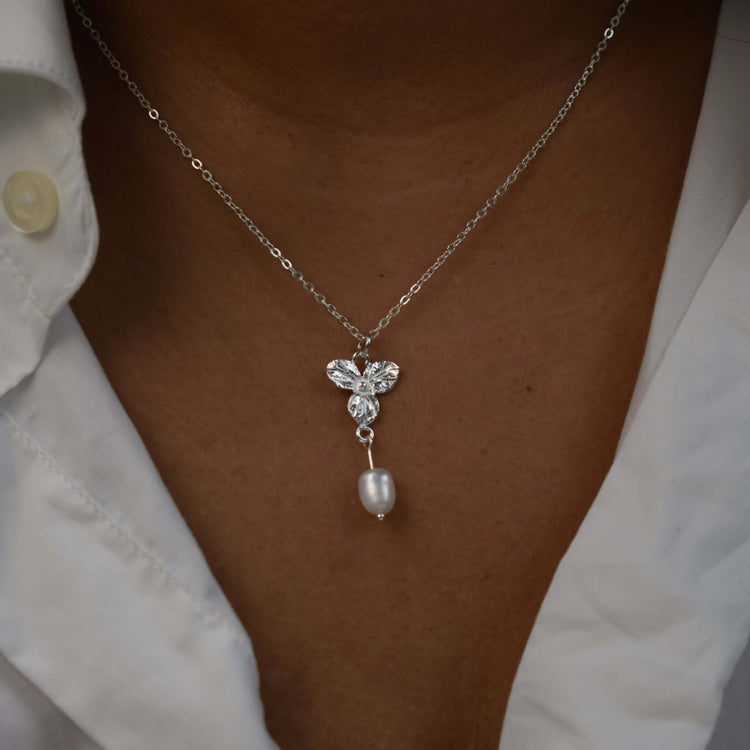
{"type": "Point", "coordinates": [366, 436]}
{"type": "Point", "coordinates": [363, 349]}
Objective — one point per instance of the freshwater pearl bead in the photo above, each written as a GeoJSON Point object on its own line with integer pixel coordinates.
{"type": "Point", "coordinates": [377, 491]}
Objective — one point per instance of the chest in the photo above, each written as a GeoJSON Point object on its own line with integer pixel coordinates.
{"type": "Point", "coordinates": [498, 434]}
{"type": "Point", "coordinates": [517, 366]}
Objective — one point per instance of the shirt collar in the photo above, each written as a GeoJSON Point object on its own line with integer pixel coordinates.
{"type": "Point", "coordinates": [41, 110]}
{"type": "Point", "coordinates": [34, 40]}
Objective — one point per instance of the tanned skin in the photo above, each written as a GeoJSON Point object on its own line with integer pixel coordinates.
{"type": "Point", "coordinates": [361, 136]}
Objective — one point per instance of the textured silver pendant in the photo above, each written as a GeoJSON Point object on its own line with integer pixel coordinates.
{"type": "Point", "coordinates": [378, 377]}
{"type": "Point", "coordinates": [376, 488]}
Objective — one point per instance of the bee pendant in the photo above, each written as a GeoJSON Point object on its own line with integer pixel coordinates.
{"type": "Point", "coordinates": [376, 488]}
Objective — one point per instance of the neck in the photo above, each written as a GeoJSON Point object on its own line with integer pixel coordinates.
{"type": "Point", "coordinates": [354, 66]}
{"type": "Point", "coordinates": [359, 130]}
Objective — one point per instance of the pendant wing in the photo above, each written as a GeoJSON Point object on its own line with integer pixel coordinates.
{"type": "Point", "coordinates": [344, 373]}
{"type": "Point", "coordinates": [382, 375]}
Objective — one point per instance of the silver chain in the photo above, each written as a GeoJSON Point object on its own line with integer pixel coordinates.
{"type": "Point", "coordinates": [286, 263]}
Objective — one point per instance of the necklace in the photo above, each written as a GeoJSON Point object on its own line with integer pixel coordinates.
{"type": "Point", "coordinates": [376, 487]}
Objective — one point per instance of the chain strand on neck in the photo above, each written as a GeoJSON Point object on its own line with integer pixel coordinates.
{"type": "Point", "coordinates": [275, 252]}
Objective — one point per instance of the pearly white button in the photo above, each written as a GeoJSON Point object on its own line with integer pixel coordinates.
{"type": "Point", "coordinates": [30, 201]}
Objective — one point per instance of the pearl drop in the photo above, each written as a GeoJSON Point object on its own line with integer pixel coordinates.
{"type": "Point", "coordinates": [377, 491]}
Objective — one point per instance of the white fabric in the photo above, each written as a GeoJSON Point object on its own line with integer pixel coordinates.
{"type": "Point", "coordinates": [113, 632]}
{"type": "Point", "coordinates": [716, 187]}
{"type": "Point", "coordinates": [41, 108]}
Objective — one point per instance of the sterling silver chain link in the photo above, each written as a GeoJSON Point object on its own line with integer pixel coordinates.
{"type": "Point", "coordinates": [364, 339]}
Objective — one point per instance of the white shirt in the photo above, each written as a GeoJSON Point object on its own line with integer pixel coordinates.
{"type": "Point", "coordinates": [113, 632]}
